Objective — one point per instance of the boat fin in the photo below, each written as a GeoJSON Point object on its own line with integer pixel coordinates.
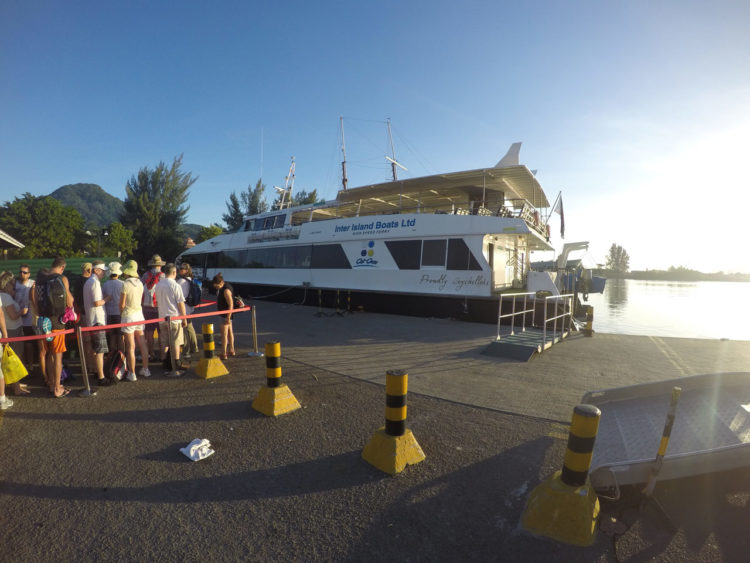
{"type": "Point", "coordinates": [511, 157]}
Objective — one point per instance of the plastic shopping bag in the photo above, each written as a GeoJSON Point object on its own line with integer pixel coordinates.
{"type": "Point", "coordinates": [13, 368]}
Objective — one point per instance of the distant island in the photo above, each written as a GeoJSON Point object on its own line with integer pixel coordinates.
{"type": "Point", "coordinates": [675, 274]}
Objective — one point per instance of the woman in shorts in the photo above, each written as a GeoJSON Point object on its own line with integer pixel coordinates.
{"type": "Point", "coordinates": [225, 302]}
{"type": "Point", "coordinates": [131, 312]}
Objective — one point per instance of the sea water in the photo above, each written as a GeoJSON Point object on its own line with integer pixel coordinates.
{"type": "Point", "coordinates": [682, 309]}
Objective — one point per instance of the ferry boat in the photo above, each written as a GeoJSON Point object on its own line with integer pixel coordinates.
{"type": "Point", "coordinates": [446, 245]}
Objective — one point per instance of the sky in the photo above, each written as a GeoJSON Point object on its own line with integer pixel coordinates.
{"type": "Point", "coordinates": [638, 112]}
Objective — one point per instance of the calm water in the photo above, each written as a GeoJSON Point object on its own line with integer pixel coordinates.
{"type": "Point", "coordinates": [682, 309]}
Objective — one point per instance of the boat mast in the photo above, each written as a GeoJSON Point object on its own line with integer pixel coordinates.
{"type": "Point", "coordinates": [285, 193]}
{"type": "Point", "coordinates": [393, 160]}
{"type": "Point", "coordinates": [393, 151]}
{"type": "Point", "coordinates": [344, 180]}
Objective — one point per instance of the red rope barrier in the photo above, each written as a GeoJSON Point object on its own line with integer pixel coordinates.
{"type": "Point", "coordinates": [134, 323]}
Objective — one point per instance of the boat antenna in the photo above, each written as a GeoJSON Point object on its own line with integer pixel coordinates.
{"type": "Point", "coordinates": [344, 179]}
{"type": "Point", "coordinates": [393, 161]}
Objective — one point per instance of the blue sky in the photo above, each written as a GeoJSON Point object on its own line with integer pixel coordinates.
{"type": "Point", "coordinates": [638, 111]}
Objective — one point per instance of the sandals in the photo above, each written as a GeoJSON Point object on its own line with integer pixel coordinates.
{"type": "Point", "coordinates": [222, 356]}
{"type": "Point", "coordinates": [64, 393]}
{"type": "Point", "coordinates": [22, 390]}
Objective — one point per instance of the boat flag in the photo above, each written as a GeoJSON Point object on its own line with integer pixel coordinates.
{"type": "Point", "coordinates": [559, 209]}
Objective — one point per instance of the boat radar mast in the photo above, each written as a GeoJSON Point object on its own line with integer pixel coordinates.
{"type": "Point", "coordinates": [285, 193]}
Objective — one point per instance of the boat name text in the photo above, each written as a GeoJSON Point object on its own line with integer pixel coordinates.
{"type": "Point", "coordinates": [376, 226]}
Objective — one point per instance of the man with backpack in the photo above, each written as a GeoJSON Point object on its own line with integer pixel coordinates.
{"type": "Point", "coordinates": [150, 309]}
{"type": "Point", "coordinates": [51, 297]}
{"type": "Point", "coordinates": [191, 289]}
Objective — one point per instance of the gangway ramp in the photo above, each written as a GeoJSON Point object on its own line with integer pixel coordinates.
{"type": "Point", "coordinates": [711, 429]}
{"type": "Point", "coordinates": [522, 345]}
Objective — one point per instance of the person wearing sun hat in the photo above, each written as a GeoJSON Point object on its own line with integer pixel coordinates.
{"type": "Point", "coordinates": [112, 288]}
{"type": "Point", "coordinates": [150, 308]}
{"type": "Point", "coordinates": [93, 303]}
{"type": "Point", "coordinates": [131, 311]}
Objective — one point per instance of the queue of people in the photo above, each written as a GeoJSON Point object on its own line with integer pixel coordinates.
{"type": "Point", "coordinates": [44, 305]}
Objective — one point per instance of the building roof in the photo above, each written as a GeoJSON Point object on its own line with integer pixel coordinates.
{"type": "Point", "coordinates": [7, 241]}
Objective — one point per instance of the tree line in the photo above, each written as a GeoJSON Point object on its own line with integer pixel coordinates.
{"type": "Point", "coordinates": [154, 210]}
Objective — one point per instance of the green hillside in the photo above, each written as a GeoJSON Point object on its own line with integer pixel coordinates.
{"type": "Point", "coordinates": [97, 207]}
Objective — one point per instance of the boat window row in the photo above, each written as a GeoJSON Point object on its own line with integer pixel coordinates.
{"type": "Point", "coordinates": [265, 223]}
{"type": "Point", "coordinates": [451, 254]}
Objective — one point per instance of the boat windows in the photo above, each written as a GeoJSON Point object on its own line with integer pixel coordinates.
{"type": "Point", "coordinates": [212, 260]}
{"type": "Point", "coordinates": [280, 257]}
{"type": "Point", "coordinates": [412, 254]}
{"type": "Point", "coordinates": [433, 252]}
{"type": "Point", "coordinates": [460, 257]}
{"type": "Point", "coordinates": [406, 253]}
{"type": "Point", "coordinates": [329, 256]}
{"type": "Point", "coordinates": [232, 259]}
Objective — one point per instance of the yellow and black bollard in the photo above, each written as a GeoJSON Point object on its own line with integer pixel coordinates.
{"type": "Point", "coordinates": [565, 506]}
{"type": "Point", "coordinates": [589, 328]}
{"type": "Point", "coordinates": [209, 366]}
{"type": "Point", "coordinates": [393, 446]}
{"type": "Point", "coordinates": [275, 398]}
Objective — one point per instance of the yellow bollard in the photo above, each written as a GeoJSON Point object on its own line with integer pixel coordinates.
{"type": "Point", "coordinates": [393, 446]}
{"type": "Point", "coordinates": [565, 506]}
{"type": "Point", "coordinates": [209, 366]}
{"type": "Point", "coordinates": [275, 398]}
{"type": "Point", "coordinates": [589, 328]}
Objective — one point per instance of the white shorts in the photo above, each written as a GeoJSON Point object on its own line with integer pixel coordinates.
{"type": "Point", "coordinates": [132, 319]}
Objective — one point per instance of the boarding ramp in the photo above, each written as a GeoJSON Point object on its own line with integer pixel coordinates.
{"type": "Point", "coordinates": [530, 323]}
{"type": "Point", "coordinates": [711, 430]}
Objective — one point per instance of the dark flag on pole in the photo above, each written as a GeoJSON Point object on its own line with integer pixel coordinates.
{"type": "Point", "coordinates": [559, 209]}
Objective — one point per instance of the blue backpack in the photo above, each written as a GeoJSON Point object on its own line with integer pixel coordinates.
{"type": "Point", "coordinates": [194, 294]}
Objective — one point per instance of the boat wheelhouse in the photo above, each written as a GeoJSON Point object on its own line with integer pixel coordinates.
{"type": "Point", "coordinates": [442, 245]}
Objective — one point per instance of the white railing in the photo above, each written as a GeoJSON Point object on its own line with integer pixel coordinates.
{"type": "Point", "coordinates": [513, 312]}
{"type": "Point", "coordinates": [529, 299]}
{"type": "Point", "coordinates": [567, 313]}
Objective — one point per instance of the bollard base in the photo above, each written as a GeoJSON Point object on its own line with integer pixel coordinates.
{"type": "Point", "coordinates": [273, 401]}
{"type": "Point", "coordinates": [561, 512]}
{"type": "Point", "coordinates": [391, 454]}
{"type": "Point", "coordinates": [210, 367]}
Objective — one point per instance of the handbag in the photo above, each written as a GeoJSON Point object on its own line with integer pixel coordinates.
{"type": "Point", "coordinates": [13, 368]}
{"type": "Point", "coordinates": [238, 302]}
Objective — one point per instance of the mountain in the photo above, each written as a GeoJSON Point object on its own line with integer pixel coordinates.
{"type": "Point", "coordinates": [97, 207]}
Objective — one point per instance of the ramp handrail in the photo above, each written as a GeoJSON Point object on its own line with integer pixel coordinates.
{"type": "Point", "coordinates": [566, 298]}
{"type": "Point", "coordinates": [513, 312]}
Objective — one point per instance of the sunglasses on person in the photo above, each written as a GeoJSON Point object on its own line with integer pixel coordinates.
{"type": "Point", "coordinates": [24, 272]}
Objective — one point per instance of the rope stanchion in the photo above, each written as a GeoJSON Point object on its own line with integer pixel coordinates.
{"type": "Point", "coordinates": [275, 398]}
{"type": "Point", "coordinates": [87, 392]}
{"type": "Point", "coordinates": [209, 366]}
{"type": "Point", "coordinates": [254, 332]}
{"type": "Point", "coordinates": [393, 446]}
{"type": "Point", "coordinates": [565, 506]}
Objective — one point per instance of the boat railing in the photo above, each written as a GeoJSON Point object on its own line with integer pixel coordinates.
{"type": "Point", "coordinates": [516, 298]}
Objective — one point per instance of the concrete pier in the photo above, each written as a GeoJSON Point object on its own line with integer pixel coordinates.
{"type": "Point", "coordinates": [102, 478]}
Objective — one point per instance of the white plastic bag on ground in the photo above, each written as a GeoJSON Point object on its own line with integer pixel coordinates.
{"type": "Point", "coordinates": [198, 449]}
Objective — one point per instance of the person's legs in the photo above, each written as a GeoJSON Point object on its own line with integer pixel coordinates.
{"type": "Point", "coordinates": [230, 337]}
{"type": "Point", "coordinates": [130, 350]}
{"type": "Point", "coordinates": [224, 338]}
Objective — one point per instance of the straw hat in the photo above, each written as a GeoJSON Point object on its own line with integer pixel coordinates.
{"type": "Point", "coordinates": [156, 261]}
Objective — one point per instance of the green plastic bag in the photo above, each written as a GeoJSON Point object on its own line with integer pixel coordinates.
{"type": "Point", "coordinates": [13, 368]}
